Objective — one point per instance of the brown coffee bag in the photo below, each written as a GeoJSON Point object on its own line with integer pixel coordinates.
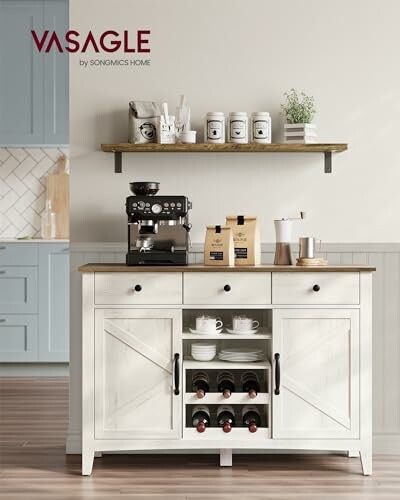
{"type": "Point", "coordinates": [246, 239]}
{"type": "Point", "coordinates": [218, 248]}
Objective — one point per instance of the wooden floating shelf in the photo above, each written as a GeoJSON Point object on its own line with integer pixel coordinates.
{"type": "Point", "coordinates": [326, 149]}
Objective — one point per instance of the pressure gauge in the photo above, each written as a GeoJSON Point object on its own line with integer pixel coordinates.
{"type": "Point", "coordinates": [156, 208]}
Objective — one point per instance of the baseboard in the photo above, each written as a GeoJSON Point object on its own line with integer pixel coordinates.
{"type": "Point", "coordinates": [34, 369]}
{"type": "Point", "coordinates": [73, 445]}
{"type": "Point", "coordinates": [386, 444]}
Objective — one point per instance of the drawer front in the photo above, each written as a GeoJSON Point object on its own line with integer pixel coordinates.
{"type": "Point", "coordinates": [18, 254]}
{"type": "Point", "coordinates": [138, 288]}
{"type": "Point", "coordinates": [18, 338]}
{"type": "Point", "coordinates": [18, 290]}
{"type": "Point", "coordinates": [316, 288]}
{"type": "Point", "coordinates": [227, 288]}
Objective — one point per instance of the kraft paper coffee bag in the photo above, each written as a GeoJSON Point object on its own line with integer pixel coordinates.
{"type": "Point", "coordinates": [246, 239]}
{"type": "Point", "coordinates": [218, 248]}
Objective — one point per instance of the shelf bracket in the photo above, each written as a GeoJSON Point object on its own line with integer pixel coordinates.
{"type": "Point", "coordinates": [117, 162]}
{"type": "Point", "coordinates": [328, 162]}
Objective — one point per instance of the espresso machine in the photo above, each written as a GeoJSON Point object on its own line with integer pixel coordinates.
{"type": "Point", "coordinates": [158, 227]}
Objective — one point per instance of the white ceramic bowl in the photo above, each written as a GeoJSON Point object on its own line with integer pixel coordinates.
{"type": "Point", "coordinates": [203, 357]}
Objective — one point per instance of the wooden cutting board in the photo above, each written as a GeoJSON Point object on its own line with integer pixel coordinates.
{"type": "Point", "coordinates": [58, 194]}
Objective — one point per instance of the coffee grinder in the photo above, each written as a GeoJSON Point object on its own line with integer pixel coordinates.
{"type": "Point", "coordinates": [283, 230]}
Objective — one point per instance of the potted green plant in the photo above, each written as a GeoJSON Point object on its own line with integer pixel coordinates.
{"type": "Point", "coordinates": [299, 111]}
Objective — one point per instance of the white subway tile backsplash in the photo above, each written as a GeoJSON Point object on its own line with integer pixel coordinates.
{"type": "Point", "coordinates": [23, 174]}
{"type": "Point", "coordinates": [8, 166]}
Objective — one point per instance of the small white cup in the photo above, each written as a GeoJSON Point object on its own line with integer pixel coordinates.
{"type": "Point", "coordinates": [208, 324]}
{"type": "Point", "coordinates": [188, 137]}
{"type": "Point", "coordinates": [244, 324]}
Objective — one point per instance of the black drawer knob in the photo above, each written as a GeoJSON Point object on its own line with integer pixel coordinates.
{"type": "Point", "coordinates": [316, 288]}
{"type": "Point", "coordinates": [227, 288]}
{"type": "Point", "coordinates": [138, 288]}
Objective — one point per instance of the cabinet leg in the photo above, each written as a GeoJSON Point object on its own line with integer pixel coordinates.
{"type": "Point", "coordinates": [353, 454]}
{"type": "Point", "coordinates": [87, 462]}
{"type": "Point", "coordinates": [225, 457]}
{"type": "Point", "coordinates": [366, 462]}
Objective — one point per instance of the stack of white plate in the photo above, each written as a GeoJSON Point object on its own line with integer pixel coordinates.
{"type": "Point", "coordinates": [241, 355]}
{"type": "Point", "coordinates": [204, 352]}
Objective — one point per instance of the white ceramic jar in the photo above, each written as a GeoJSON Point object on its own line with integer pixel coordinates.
{"type": "Point", "coordinates": [214, 128]}
{"type": "Point", "coordinates": [260, 128]}
{"type": "Point", "coordinates": [238, 129]}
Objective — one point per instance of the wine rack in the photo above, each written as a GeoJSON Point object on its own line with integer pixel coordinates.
{"type": "Point", "coordinates": [238, 399]}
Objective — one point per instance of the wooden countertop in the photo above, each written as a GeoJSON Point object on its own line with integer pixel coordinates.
{"type": "Point", "coordinates": [198, 268]}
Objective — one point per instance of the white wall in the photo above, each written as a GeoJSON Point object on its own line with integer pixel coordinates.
{"type": "Point", "coordinates": [235, 55]}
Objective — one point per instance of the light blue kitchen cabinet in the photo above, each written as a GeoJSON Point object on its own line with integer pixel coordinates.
{"type": "Point", "coordinates": [34, 302]}
{"type": "Point", "coordinates": [53, 302]}
{"type": "Point", "coordinates": [18, 290]}
{"type": "Point", "coordinates": [18, 338]}
{"type": "Point", "coordinates": [33, 85]}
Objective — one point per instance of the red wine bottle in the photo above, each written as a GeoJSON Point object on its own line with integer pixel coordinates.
{"type": "Point", "coordinates": [200, 418]}
{"type": "Point", "coordinates": [226, 384]}
{"type": "Point", "coordinates": [201, 384]}
{"type": "Point", "coordinates": [251, 418]}
{"type": "Point", "coordinates": [226, 417]}
{"type": "Point", "coordinates": [251, 384]}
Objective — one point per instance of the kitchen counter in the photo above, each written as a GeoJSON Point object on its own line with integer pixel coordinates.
{"type": "Point", "coordinates": [196, 268]}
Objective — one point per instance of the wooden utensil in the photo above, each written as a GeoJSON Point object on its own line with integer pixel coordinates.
{"type": "Point", "coordinates": [58, 193]}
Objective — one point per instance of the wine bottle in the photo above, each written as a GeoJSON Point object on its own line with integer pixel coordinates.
{"type": "Point", "coordinates": [251, 384]}
{"type": "Point", "coordinates": [226, 417]}
{"type": "Point", "coordinates": [200, 418]}
{"type": "Point", "coordinates": [251, 418]}
{"type": "Point", "coordinates": [226, 384]}
{"type": "Point", "coordinates": [201, 384]}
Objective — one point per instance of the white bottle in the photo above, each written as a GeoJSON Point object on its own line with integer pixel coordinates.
{"type": "Point", "coordinates": [238, 130]}
{"type": "Point", "coordinates": [214, 128]}
{"type": "Point", "coordinates": [260, 129]}
{"type": "Point", "coordinates": [48, 229]}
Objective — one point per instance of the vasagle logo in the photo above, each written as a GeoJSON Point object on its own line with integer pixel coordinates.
{"type": "Point", "coordinates": [108, 41]}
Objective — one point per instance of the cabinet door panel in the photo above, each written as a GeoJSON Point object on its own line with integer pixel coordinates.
{"type": "Point", "coordinates": [319, 363]}
{"type": "Point", "coordinates": [21, 90]}
{"type": "Point", "coordinates": [134, 356]}
{"type": "Point", "coordinates": [18, 290]}
{"type": "Point", "coordinates": [53, 302]}
{"type": "Point", "coordinates": [18, 338]}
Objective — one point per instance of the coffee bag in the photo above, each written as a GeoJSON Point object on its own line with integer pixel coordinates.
{"type": "Point", "coordinates": [218, 248]}
{"type": "Point", "coordinates": [246, 239]}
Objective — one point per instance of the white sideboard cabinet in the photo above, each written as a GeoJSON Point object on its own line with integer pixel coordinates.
{"type": "Point", "coordinates": [314, 333]}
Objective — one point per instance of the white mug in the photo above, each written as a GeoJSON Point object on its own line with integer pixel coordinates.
{"type": "Point", "coordinates": [208, 324]}
{"type": "Point", "coordinates": [242, 323]}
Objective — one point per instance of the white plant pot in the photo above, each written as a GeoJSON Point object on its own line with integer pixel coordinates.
{"type": "Point", "coordinates": [300, 133]}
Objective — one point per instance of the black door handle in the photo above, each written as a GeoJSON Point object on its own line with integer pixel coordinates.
{"type": "Point", "coordinates": [227, 288]}
{"type": "Point", "coordinates": [138, 288]}
{"type": "Point", "coordinates": [176, 373]}
{"type": "Point", "coordinates": [316, 288]}
{"type": "Point", "coordinates": [277, 374]}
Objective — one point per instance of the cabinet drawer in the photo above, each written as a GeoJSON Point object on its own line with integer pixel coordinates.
{"type": "Point", "coordinates": [18, 290]}
{"type": "Point", "coordinates": [18, 338]}
{"type": "Point", "coordinates": [138, 288]}
{"type": "Point", "coordinates": [18, 254]}
{"type": "Point", "coordinates": [315, 288]}
{"type": "Point", "coordinates": [237, 288]}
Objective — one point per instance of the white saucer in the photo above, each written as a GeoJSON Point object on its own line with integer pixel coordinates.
{"type": "Point", "coordinates": [199, 332]}
{"type": "Point", "coordinates": [242, 332]}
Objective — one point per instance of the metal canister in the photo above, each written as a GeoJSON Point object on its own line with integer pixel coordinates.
{"type": "Point", "coordinates": [307, 246]}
